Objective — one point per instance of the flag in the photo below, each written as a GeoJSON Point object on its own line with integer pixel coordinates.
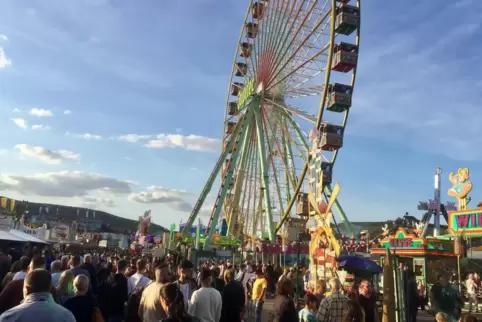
{"type": "Point", "coordinates": [47, 210]}
{"type": "Point", "coordinates": [58, 213]}
{"type": "Point", "coordinates": [40, 210]}
{"type": "Point", "coordinates": [12, 204]}
{"type": "Point", "coordinates": [93, 214]}
{"type": "Point", "coordinates": [87, 214]}
{"type": "Point", "coordinates": [78, 212]}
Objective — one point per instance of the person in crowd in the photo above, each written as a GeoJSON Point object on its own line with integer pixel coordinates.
{"type": "Point", "coordinates": [25, 262]}
{"type": "Point", "coordinates": [308, 313]}
{"type": "Point", "coordinates": [258, 295]}
{"type": "Point", "coordinates": [87, 265]}
{"type": "Point", "coordinates": [284, 308]}
{"type": "Point", "coordinates": [138, 280]}
{"type": "Point", "coordinates": [172, 302]}
{"type": "Point", "coordinates": [132, 269]}
{"type": "Point", "coordinates": [16, 267]}
{"type": "Point", "coordinates": [471, 286]}
{"type": "Point", "coordinates": [75, 268]}
{"type": "Point", "coordinates": [119, 292]}
{"type": "Point", "coordinates": [353, 312]}
{"type": "Point", "coordinates": [332, 308]}
{"type": "Point", "coordinates": [367, 299]}
{"type": "Point", "coordinates": [5, 262]}
{"type": "Point", "coordinates": [7, 279]}
{"type": "Point", "coordinates": [185, 283]}
{"type": "Point", "coordinates": [150, 308]}
{"type": "Point", "coordinates": [218, 283]}
{"type": "Point", "coordinates": [441, 317]}
{"type": "Point", "coordinates": [444, 298]}
{"type": "Point", "coordinates": [82, 305]}
{"type": "Point", "coordinates": [55, 270]}
{"type": "Point", "coordinates": [12, 294]}
{"type": "Point", "coordinates": [65, 287]}
{"type": "Point", "coordinates": [206, 303]}
{"type": "Point", "coordinates": [320, 290]}
{"type": "Point", "coordinates": [64, 261]}
{"type": "Point", "coordinates": [233, 299]}
{"type": "Point", "coordinates": [38, 304]}
{"type": "Point", "coordinates": [104, 292]}
{"type": "Point", "coordinates": [468, 317]}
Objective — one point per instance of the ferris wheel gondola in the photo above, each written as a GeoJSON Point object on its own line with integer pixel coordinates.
{"type": "Point", "coordinates": [282, 82]}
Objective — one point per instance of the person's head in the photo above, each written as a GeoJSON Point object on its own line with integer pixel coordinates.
{"type": "Point", "coordinates": [133, 262]}
{"type": "Point", "coordinates": [216, 271]}
{"type": "Point", "coordinates": [441, 317]}
{"type": "Point", "coordinates": [365, 287]}
{"type": "Point", "coordinates": [320, 287]}
{"type": "Point", "coordinates": [229, 275]}
{"type": "Point", "coordinates": [172, 301]}
{"type": "Point", "coordinates": [87, 258]}
{"type": "Point", "coordinates": [141, 266]}
{"type": "Point", "coordinates": [24, 263]}
{"type": "Point", "coordinates": [55, 266]}
{"type": "Point", "coordinates": [122, 266]}
{"type": "Point", "coordinates": [243, 268]}
{"type": "Point", "coordinates": [466, 317]}
{"type": "Point", "coordinates": [37, 281]}
{"type": "Point", "coordinates": [353, 312]}
{"type": "Point", "coordinates": [163, 273]}
{"type": "Point", "coordinates": [442, 279]}
{"type": "Point", "coordinates": [285, 287]}
{"type": "Point", "coordinates": [259, 273]}
{"type": "Point", "coordinates": [7, 279]}
{"type": "Point", "coordinates": [81, 284]}
{"type": "Point", "coordinates": [206, 277]}
{"type": "Point", "coordinates": [335, 284]}
{"type": "Point", "coordinates": [16, 267]}
{"type": "Point", "coordinates": [311, 301]}
{"type": "Point", "coordinates": [75, 261]}
{"type": "Point", "coordinates": [103, 274]}
{"type": "Point", "coordinates": [66, 283]}
{"type": "Point", "coordinates": [64, 261]}
{"type": "Point", "coordinates": [38, 262]}
{"type": "Point", "coordinates": [184, 269]}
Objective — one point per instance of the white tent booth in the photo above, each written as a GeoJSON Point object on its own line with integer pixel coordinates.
{"type": "Point", "coordinates": [26, 237]}
{"type": "Point", "coordinates": [6, 236]}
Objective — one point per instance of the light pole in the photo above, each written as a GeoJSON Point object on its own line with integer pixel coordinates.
{"type": "Point", "coordinates": [437, 184]}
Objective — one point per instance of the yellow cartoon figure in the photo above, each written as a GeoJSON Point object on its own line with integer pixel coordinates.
{"type": "Point", "coordinates": [461, 186]}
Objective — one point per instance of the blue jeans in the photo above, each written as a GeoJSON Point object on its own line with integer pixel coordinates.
{"type": "Point", "coordinates": [258, 311]}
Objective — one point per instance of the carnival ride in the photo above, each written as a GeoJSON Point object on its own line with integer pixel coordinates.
{"type": "Point", "coordinates": [284, 65]}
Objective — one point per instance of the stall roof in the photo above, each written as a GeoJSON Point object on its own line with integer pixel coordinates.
{"type": "Point", "coordinates": [5, 235]}
{"type": "Point", "coordinates": [26, 237]}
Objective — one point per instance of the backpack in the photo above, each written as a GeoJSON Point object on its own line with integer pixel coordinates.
{"type": "Point", "coordinates": [133, 303]}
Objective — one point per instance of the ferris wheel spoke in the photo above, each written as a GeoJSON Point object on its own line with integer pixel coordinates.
{"type": "Point", "coordinates": [277, 70]}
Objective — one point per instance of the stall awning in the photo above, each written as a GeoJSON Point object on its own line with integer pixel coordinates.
{"type": "Point", "coordinates": [5, 235]}
{"type": "Point", "coordinates": [26, 237]}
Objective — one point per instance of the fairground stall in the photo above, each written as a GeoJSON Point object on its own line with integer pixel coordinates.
{"type": "Point", "coordinates": [428, 257]}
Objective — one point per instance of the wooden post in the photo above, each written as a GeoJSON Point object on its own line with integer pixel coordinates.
{"type": "Point", "coordinates": [388, 314]}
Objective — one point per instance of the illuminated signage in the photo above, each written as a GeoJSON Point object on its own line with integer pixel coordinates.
{"type": "Point", "coordinates": [245, 93]}
{"type": "Point", "coordinates": [466, 220]}
{"type": "Point", "coordinates": [401, 242]}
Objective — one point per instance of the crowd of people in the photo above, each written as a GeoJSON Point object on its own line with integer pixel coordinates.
{"type": "Point", "coordinates": [100, 287]}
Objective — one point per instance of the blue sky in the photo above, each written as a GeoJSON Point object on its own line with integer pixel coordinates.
{"type": "Point", "coordinates": [84, 86]}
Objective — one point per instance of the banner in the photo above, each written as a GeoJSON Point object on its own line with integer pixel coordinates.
{"type": "Point", "coordinates": [12, 205]}
{"type": "Point", "coordinates": [3, 203]}
{"type": "Point", "coordinates": [38, 233]}
{"type": "Point", "coordinates": [59, 232]}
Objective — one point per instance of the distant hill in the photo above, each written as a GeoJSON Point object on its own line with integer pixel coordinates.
{"type": "Point", "coordinates": [110, 222]}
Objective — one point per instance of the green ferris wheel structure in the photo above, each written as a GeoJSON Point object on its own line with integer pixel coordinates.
{"type": "Point", "coordinates": [295, 60]}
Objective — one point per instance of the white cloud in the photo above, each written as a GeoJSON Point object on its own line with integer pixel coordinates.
{"type": "Point", "coordinates": [40, 112]}
{"type": "Point", "coordinates": [62, 184]}
{"type": "Point", "coordinates": [175, 199]}
{"type": "Point", "coordinates": [188, 142]}
{"type": "Point", "coordinates": [40, 127]}
{"type": "Point", "coordinates": [47, 156]}
{"type": "Point", "coordinates": [3, 37]}
{"type": "Point", "coordinates": [21, 123]}
{"type": "Point", "coordinates": [4, 60]}
{"type": "Point", "coordinates": [133, 138]}
{"type": "Point", "coordinates": [16, 110]}
{"type": "Point", "coordinates": [67, 112]}
{"type": "Point", "coordinates": [3, 151]}
{"type": "Point", "coordinates": [89, 137]}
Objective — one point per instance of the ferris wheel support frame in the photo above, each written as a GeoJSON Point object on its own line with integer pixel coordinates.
{"type": "Point", "coordinates": [229, 174]}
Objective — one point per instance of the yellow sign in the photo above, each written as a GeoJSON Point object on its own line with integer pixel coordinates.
{"type": "Point", "coordinates": [12, 205]}
{"type": "Point", "coordinates": [461, 186]}
{"type": "Point", "coordinates": [245, 93]}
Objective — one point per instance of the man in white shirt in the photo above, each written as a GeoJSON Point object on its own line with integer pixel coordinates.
{"type": "Point", "coordinates": [25, 262]}
{"type": "Point", "coordinates": [472, 292]}
{"type": "Point", "coordinates": [206, 303]}
{"type": "Point", "coordinates": [138, 280]}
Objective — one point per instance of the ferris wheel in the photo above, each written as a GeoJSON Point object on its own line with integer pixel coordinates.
{"type": "Point", "coordinates": [293, 74]}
